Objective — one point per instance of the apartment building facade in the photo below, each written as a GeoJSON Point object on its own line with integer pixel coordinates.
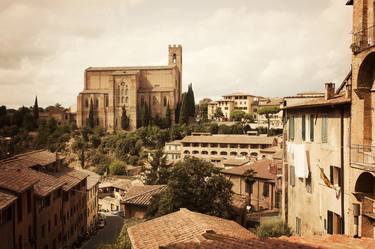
{"type": "Point", "coordinates": [235, 101]}
{"type": "Point", "coordinates": [219, 148]}
{"type": "Point", "coordinates": [39, 185]}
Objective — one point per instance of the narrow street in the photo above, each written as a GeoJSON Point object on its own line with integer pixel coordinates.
{"type": "Point", "coordinates": [106, 235]}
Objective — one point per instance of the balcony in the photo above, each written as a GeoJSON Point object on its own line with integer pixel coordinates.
{"type": "Point", "coordinates": [363, 40]}
{"type": "Point", "coordinates": [363, 157]}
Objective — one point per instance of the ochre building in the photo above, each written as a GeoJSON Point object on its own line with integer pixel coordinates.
{"type": "Point", "coordinates": [110, 89]}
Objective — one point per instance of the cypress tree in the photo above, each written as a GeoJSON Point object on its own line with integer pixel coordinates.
{"type": "Point", "coordinates": [36, 109]}
{"type": "Point", "coordinates": [184, 114]}
{"type": "Point", "coordinates": [190, 101]}
{"type": "Point", "coordinates": [168, 117]}
{"type": "Point", "coordinates": [90, 121]}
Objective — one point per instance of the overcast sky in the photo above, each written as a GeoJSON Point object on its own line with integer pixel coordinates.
{"type": "Point", "coordinates": [267, 47]}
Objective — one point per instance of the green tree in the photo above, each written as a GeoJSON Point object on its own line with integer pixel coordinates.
{"type": "Point", "coordinates": [249, 180]}
{"type": "Point", "coordinates": [145, 116]}
{"type": "Point", "coordinates": [91, 121]}
{"type": "Point", "coordinates": [190, 101]}
{"type": "Point", "coordinates": [268, 112]}
{"type": "Point", "coordinates": [36, 110]}
{"type": "Point", "coordinates": [159, 171]}
{"type": "Point", "coordinates": [168, 117]}
{"type": "Point", "coordinates": [79, 146]}
{"type": "Point", "coordinates": [218, 113]}
{"type": "Point", "coordinates": [249, 118]}
{"type": "Point", "coordinates": [124, 119]}
{"type": "Point", "coordinates": [197, 185]}
{"type": "Point", "coordinates": [184, 112]}
{"type": "Point", "coordinates": [237, 115]}
{"type": "Point", "coordinates": [117, 168]}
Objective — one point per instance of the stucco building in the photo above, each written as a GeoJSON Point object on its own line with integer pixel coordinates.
{"type": "Point", "coordinates": [230, 102]}
{"type": "Point", "coordinates": [219, 148]}
{"type": "Point", "coordinates": [112, 88]}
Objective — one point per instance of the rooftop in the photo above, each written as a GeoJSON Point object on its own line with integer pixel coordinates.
{"type": "Point", "coordinates": [41, 157]}
{"type": "Point", "coordinates": [70, 176]}
{"type": "Point", "coordinates": [129, 68]}
{"type": "Point", "coordinates": [92, 178]}
{"type": "Point", "coordinates": [229, 139]}
{"type": "Point", "coordinates": [6, 200]}
{"type": "Point", "coordinates": [262, 169]}
{"type": "Point", "coordinates": [182, 226]}
{"type": "Point", "coordinates": [319, 102]}
{"type": "Point", "coordinates": [142, 195]}
{"type": "Point", "coordinates": [16, 179]}
{"type": "Point", "coordinates": [238, 94]}
{"type": "Point", "coordinates": [123, 184]}
{"type": "Point", "coordinates": [235, 162]}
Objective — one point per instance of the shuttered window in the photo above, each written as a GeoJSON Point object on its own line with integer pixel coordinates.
{"type": "Point", "coordinates": [303, 127]}
{"type": "Point", "coordinates": [325, 128]}
{"type": "Point", "coordinates": [291, 128]}
{"type": "Point", "coordinates": [311, 128]}
{"type": "Point", "coordinates": [292, 176]}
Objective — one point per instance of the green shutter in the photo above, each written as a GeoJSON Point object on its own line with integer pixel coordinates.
{"type": "Point", "coordinates": [291, 128]}
{"type": "Point", "coordinates": [324, 128]}
{"type": "Point", "coordinates": [311, 128]}
{"type": "Point", "coordinates": [303, 127]}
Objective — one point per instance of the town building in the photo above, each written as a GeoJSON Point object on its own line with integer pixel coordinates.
{"type": "Point", "coordinates": [263, 189]}
{"type": "Point", "coordinates": [138, 199]}
{"type": "Point", "coordinates": [62, 115]}
{"type": "Point", "coordinates": [110, 89]}
{"type": "Point", "coordinates": [219, 148]}
{"type": "Point", "coordinates": [92, 200]}
{"type": "Point", "coordinates": [112, 192]}
{"type": "Point", "coordinates": [235, 101]}
{"type": "Point", "coordinates": [337, 133]}
{"type": "Point", "coordinates": [39, 182]}
{"type": "Point", "coordinates": [317, 149]}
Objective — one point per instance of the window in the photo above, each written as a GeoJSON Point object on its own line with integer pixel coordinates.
{"type": "Point", "coordinates": [266, 189]}
{"type": "Point", "coordinates": [291, 128]}
{"type": "Point", "coordinates": [308, 184]}
{"type": "Point", "coordinates": [311, 128]}
{"type": "Point", "coordinates": [325, 128]}
{"type": "Point", "coordinates": [43, 232]}
{"type": "Point", "coordinates": [174, 58]}
{"type": "Point", "coordinates": [333, 223]}
{"type": "Point", "coordinates": [335, 175]}
{"type": "Point", "coordinates": [292, 176]}
{"type": "Point", "coordinates": [298, 226]}
{"type": "Point", "coordinates": [165, 102]}
{"type": "Point", "coordinates": [303, 128]}
{"type": "Point", "coordinates": [106, 101]}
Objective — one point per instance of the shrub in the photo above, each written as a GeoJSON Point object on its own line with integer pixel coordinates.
{"type": "Point", "coordinates": [117, 167]}
{"type": "Point", "coordinates": [273, 228]}
{"type": "Point", "coordinates": [133, 160]}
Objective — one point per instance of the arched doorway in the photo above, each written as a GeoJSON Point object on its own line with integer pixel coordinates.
{"type": "Point", "coordinates": [365, 193]}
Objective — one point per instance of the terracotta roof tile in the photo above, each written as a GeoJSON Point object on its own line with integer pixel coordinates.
{"type": "Point", "coordinates": [42, 157]}
{"type": "Point", "coordinates": [6, 199]}
{"type": "Point", "coordinates": [182, 226]}
{"type": "Point", "coordinates": [16, 179]}
{"type": "Point", "coordinates": [92, 178]}
{"type": "Point", "coordinates": [262, 169]}
{"type": "Point", "coordinates": [142, 195]}
{"type": "Point", "coordinates": [321, 101]}
{"type": "Point", "coordinates": [70, 176]}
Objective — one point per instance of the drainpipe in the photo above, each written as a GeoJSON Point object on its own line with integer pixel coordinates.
{"type": "Point", "coordinates": [342, 171]}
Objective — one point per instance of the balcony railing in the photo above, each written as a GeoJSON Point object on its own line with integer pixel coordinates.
{"type": "Point", "coordinates": [363, 156]}
{"type": "Point", "coordinates": [363, 39]}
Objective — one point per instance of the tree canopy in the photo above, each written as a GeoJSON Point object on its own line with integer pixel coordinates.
{"type": "Point", "coordinates": [197, 185]}
{"type": "Point", "coordinates": [159, 171]}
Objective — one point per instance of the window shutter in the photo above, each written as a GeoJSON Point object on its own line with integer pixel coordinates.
{"type": "Point", "coordinates": [303, 127]}
{"type": "Point", "coordinates": [324, 128]}
{"type": "Point", "coordinates": [311, 128]}
{"type": "Point", "coordinates": [292, 176]}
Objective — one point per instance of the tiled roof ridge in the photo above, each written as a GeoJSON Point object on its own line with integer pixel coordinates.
{"type": "Point", "coordinates": [17, 157]}
{"type": "Point", "coordinates": [146, 192]}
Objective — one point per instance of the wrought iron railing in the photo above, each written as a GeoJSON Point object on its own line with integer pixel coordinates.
{"type": "Point", "coordinates": [363, 155]}
{"type": "Point", "coordinates": [363, 39]}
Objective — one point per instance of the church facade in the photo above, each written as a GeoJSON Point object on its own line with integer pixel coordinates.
{"type": "Point", "coordinates": [111, 89]}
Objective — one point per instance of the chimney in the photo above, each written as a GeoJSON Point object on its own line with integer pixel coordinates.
{"type": "Point", "coordinates": [329, 91]}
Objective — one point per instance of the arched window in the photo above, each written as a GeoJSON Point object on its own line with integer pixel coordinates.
{"type": "Point", "coordinates": [223, 153]}
{"type": "Point", "coordinates": [254, 154]}
{"type": "Point", "coordinates": [244, 154]}
{"type": "Point", "coordinates": [213, 152]}
{"type": "Point", "coordinates": [204, 152]}
{"type": "Point", "coordinates": [122, 99]}
{"type": "Point", "coordinates": [174, 58]}
{"type": "Point", "coordinates": [186, 152]}
{"type": "Point", "coordinates": [195, 152]}
{"type": "Point", "coordinates": [126, 100]}
{"type": "Point", "coordinates": [165, 101]}
{"type": "Point", "coordinates": [233, 153]}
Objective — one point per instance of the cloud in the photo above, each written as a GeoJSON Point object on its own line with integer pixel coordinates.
{"type": "Point", "coordinates": [264, 47]}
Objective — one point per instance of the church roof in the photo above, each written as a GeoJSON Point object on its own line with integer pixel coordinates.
{"type": "Point", "coordinates": [90, 69]}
